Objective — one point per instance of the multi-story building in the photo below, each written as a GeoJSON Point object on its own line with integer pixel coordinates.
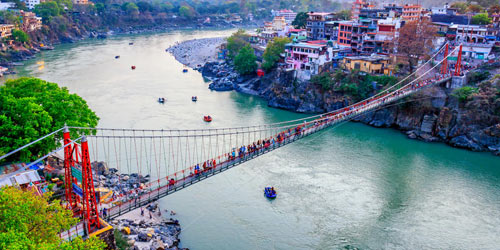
{"type": "Point", "coordinates": [30, 21]}
{"type": "Point", "coordinates": [396, 9]}
{"type": "Point", "coordinates": [345, 29]}
{"type": "Point", "coordinates": [374, 13]}
{"type": "Point", "coordinates": [471, 33]}
{"type": "Point", "coordinates": [412, 12]}
{"type": "Point", "coordinates": [6, 30]}
{"type": "Point", "coordinates": [316, 24]}
{"type": "Point", "coordinates": [331, 30]}
{"type": "Point", "coordinates": [374, 64]}
{"type": "Point", "coordinates": [358, 5]}
{"type": "Point", "coordinates": [495, 19]}
{"type": "Point", "coordinates": [279, 23]}
{"type": "Point", "coordinates": [287, 14]}
{"type": "Point", "coordinates": [308, 58]}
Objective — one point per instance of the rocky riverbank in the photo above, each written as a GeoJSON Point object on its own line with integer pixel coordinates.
{"type": "Point", "coordinates": [433, 115]}
{"type": "Point", "coordinates": [145, 228]}
{"type": "Point", "coordinates": [197, 52]}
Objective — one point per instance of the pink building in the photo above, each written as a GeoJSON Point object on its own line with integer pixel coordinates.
{"type": "Point", "coordinates": [307, 58]}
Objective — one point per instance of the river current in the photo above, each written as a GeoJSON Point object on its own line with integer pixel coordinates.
{"type": "Point", "coordinates": [350, 187]}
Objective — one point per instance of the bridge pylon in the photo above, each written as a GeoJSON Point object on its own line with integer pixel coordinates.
{"type": "Point", "coordinates": [458, 66]}
{"type": "Point", "coordinates": [444, 66]}
{"type": "Point", "coordinates": [90, 210]}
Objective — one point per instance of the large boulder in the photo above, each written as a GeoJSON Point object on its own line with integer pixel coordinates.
{"type": "Point", "coordinates": [463, 142]}
{"type": "Point", "coordinates": [100, 167]}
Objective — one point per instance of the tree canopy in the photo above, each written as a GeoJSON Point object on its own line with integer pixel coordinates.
{"type": "Point", "coordinates": [415, 40]}
{"type": "Point", "coordinates": [187, 12]}
{"type": "Point", "coordinates": [20, 36]}
{"type": "Point", "coordinates": [300, 20]}
{"type": "Point", "coordinates": [28, 221]}
{"type": "Point", "coordinates": [481, 19]}
{"type": "Point", "coordinates": [235, 42]}
{"type": "Point", "coordinates": [273, 50]}
{"type": "Point", "coordinates": [344, 14]}
{"type": "Point", "coordinates": [31, 108]}
{"type": "Point", "coordinates": [244, 62]}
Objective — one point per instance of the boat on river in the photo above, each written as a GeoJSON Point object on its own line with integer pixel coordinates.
{"type": "Point", "coordinates": [270, 193]}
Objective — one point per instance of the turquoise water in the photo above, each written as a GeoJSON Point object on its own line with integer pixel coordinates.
{"type": "Point", "coordinates": [349, 187]}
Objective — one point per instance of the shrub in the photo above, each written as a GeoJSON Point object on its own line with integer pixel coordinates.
{"type": "Point", "coordinates": [324, 80]}
{"type": "Point", "coordinates": [464, 93]}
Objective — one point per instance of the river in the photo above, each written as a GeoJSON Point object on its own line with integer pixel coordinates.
{"type": "Point", "coordinates": [352, 187]}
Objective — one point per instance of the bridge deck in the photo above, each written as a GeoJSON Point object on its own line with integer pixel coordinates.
{"type": "Point", "coordinates": [310, 128]}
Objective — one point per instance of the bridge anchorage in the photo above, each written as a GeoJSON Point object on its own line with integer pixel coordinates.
{"type": "Point", "coordinates": [150, 164]}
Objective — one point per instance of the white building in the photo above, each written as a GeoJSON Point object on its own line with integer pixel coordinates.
{"type": "Point", "coordinates": [7, 5]}
{"type": "Point", "coordinates": [443, 10]}
{"type": "Point", "coordinates": [287, 14]}
{"type": "Point", "coordinates": [30, 4]}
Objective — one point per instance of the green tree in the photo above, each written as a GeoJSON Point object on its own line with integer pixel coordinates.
{"type": "Point", "coordinates": [28, 221]}
{"type": "Point", "coordinates": [481, 19]}
{"type": "Point", "coordinates": [300, 20]}
{"type": "Point", "coordinates": [47, 10]}
{"type": "Point", "coordinates": [186, 12]}
{"type": "Point", "coordinates": [31, 108]}
{"type": "Point", "coordinates": [344, 14]}
{"type": "Point", "coordinates": [20, 36]}
{"type": "Point", "coordinates": [244, 62]}
{"type": "Point", "coordinates": [168, 7]}
{"type": "Point", "coordinates": [235, 42]}
{"type": "Point", "coordinates": [144, 6]}
{"type": "Point", "coordinates": [273, 50]}
{"type": "Point", "coordinates": [130, 8]}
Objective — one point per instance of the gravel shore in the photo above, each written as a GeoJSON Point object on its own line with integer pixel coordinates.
{"type": "Point", "coordinates": [197, 51]}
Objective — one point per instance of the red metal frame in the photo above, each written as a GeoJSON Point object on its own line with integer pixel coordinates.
{"type": "Point", "coordinates": [68, 162]}
{"type": "Point", "coordinates": [458, 66]}
{"type": "Point", "coordinates": [90, 210]}
{"type": "Point", "coordinates": [444, 66]}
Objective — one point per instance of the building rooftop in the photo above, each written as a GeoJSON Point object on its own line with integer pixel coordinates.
{"type": "Point", "coordinates": [306, 45]}
{"type": "Point", "coordinates": [372, 58]}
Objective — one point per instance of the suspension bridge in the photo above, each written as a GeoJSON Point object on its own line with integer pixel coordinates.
{"type": "Point", "coordinates": [166, 161]}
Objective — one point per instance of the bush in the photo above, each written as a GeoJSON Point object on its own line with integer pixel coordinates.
{"type": "Point", "coordinates": [324, 80]}
{"type": "Point", "coordinates": [464, 93]}
{"type": "Point", "coordinates": [121, 242]}
{"type": "Point", "coordinates": [50, 186]}
{"type": "Point", "coordinates": [20, 36]}
{"type": "Point", "coordinates": [479, 76]}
